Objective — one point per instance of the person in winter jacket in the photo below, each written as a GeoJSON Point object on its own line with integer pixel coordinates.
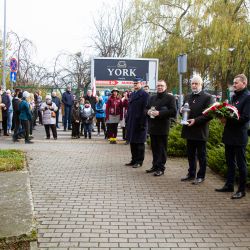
{"type": "Point", "coordinates": [67, 100]}
{"type": "Point", "coordinates": [113, 115]}
{"type": "Point", "coordinates": [57, 101]}
{"type": "Point", "coordinates": [48, 109]}
{"type": "Point", "coordinates": [100, 116]}
{"type": "Point", "coordinates": [76, 119]}
{"type": "Point", "coordinates": [235, 138]}
{"type": "Point", "coordinates": [196, 132]}
{"type": "Point", "coordinates": [25, 117]}
{"type": "Point", "coordinates": [87, 115]}
{"type": "Point", "coordinates": [124, 114]}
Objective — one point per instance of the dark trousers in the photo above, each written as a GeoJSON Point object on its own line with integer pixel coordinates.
{"type": "Point", "coordinates": [137, 152]}
{"type": "Point", "coordinates": [112, 130]}
{"type": "Point", "coordinates": [26, 129]}
{"type": "Point", "coordinates": [67, 117]}
{"type": "Point", "coordinates": [159, 151]}
{"type": "Point", "coordinates": [16, 123]}
{"type": "Point", "coordinates": [5, 124]}
{"type": "Point", "coordinates": [53, 129]}
{"type": "Point", "coordinates": [100, 123]}
{"type": "Point", "coordinates": [87, 129]}
{"type": "Point", "coordinates": [57, 118]}
{"type": "Point", "coordinates": [236, 157]}
{"type": "Point", "coordinates": [197, 149]}
{"type": "Point", "coordinates": [75, 129]}
{"type": "Point", "coordinates": [40, 116]}
{"type": "Point", "coordinates": [124, 131]}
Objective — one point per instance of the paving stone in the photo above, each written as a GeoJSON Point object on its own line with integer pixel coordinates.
{"type": "Point", "coordinates": [85, 198]}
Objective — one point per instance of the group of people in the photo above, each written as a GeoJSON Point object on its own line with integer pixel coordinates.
{"type": "Point", "coordinates": [152, 115]}
{"type": "Point", "coordinates": [140, 115]}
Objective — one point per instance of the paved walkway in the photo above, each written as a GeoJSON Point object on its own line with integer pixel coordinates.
{"type": "Point", "coordinates": [84, 198]}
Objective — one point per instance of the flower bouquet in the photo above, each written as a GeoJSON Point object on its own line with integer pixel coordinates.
{"type": "Point", "coordinates": [222, 109]}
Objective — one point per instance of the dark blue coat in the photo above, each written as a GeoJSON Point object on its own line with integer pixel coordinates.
{"type": "Point", "coordinates": [136, 117]}
{"type": "Point", "coordinates": [67, 98]}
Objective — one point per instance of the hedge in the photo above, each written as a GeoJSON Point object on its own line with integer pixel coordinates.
{"type": "Point", "coordinates": [215, 148]}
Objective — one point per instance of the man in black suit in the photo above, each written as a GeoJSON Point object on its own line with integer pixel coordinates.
{"type": "Point", "coordinates": [235, 138]}
{"type": "Point", "coordinates": [196, 132]}
{"type": "Point", "coordinates": [160, 109]}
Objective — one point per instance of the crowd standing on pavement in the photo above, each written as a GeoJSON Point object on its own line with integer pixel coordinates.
{"type": "Point", "coordinates": [140, 114]}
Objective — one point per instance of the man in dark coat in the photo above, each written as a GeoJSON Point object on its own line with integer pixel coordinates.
{"type": "Point", "coordinates": [196, 132]}
{"type": "Point", "coordinates": [6, 101]}
{"type": "Point", "coordinates": [160, 109]}
{"type": "Point", "coordinates": [235, 138]}
{"type": "Point", "coordinates": [68, 100]}
{"type": "Point", "coordinates": [137, 124]}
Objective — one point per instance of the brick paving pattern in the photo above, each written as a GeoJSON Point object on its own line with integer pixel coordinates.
{"type": "Point", "coordinates": [84, 198]}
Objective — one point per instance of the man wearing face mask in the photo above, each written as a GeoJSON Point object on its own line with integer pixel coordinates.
{"type": "Point", "coordinates": [67, 99]}
{"type": "Point", "coordinates": [160, 109]}
{"type": "Point", "coordinates": [196, 132]}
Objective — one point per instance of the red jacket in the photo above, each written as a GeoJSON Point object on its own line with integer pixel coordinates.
{"type": "Point", "coordinates": [114, 107]}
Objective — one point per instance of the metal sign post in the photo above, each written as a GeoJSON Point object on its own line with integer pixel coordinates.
{"type": "Point", "coordinates": [182, 68]}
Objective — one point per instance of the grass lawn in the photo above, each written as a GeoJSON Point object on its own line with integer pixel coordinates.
{"type": "Point", "coordinates": [11, 160]}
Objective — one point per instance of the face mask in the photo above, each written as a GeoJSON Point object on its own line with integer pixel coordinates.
{"type": "Point", "coordinates": [87, 105]}
{"type": "Point", "coordinates": [48, 101]}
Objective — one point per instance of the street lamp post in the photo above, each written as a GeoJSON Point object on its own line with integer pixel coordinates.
{"type": "Point", "coordinates": [4, 49]}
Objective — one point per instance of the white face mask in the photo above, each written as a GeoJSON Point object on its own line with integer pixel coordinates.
{"type": "Point", "coordinates": [48, 101]}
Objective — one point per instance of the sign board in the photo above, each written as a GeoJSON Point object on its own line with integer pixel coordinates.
{"type": "Point", "coordinates": [13, 76]}
{"type": "Point", "coordinates": [120, 72]}
{"type": "Point", "coordinates": [13, 64]}
{"type": "Point", "coordinates": [182, 63]}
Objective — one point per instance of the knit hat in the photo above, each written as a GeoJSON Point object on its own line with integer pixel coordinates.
{"type": "Point", "coordinates": [26, 94]}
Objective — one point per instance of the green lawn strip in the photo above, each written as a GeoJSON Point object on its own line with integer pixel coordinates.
{"type": "Point", "coordinates": [11, 160]}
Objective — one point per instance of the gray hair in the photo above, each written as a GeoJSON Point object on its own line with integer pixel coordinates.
{"type": "Point", "coordinates": [197, 79]}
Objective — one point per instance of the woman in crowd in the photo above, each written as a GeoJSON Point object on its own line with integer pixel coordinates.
{"type": "Point", "coordinates": [48, 109]}
{"type": "Point", "coordinates": [100, 116]}
{"type": "Point", "coordinates": [113, 115]}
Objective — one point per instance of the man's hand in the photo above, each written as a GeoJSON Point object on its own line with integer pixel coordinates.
{"type": "Point", "coordinates": [155, 113]}
{"type": "Point", "coordinates": [191, 122]}
{"type": "Point", "coordinates": [223, 120]}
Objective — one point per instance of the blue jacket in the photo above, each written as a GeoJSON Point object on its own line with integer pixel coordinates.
{"type": "Point", "coordinates": [24, 109]}
{"type": "Point", "coordinates": [67, 98]}
{"type": "Point", "coordinates": [100, 112]}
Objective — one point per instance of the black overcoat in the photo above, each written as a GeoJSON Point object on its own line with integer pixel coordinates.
{"type": "Point", "coordinates": [197, 104]}
{"type": "Point", "coordinates": [166, 105]}
{"type": "Point", "coordinates": [136, 117]}
{"type": "Point", "coordinates": [235, 131]}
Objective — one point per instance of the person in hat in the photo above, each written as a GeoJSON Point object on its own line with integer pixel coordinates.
{"type": "Point", "coordinates": [137, 123]}
{"type": "Point", "coordinates": [113, 115]}
{"type": "Point", "coordinates": [75, 119]}
{"type": "Point", "coordinates": [48, 109]}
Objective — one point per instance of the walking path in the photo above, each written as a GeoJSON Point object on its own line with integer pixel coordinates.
{"type": "Point", "coordinates": [85, 198]}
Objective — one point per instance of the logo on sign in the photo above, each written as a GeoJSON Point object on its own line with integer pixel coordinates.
{"type": "Point", "coordinates": [13, 64]}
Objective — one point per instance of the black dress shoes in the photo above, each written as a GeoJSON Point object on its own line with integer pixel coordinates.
{"type": "Point", "coordinates": [225, 189]}
{"type": "Point", "coordinates": [137, 165]}
{"type": "Point", "coordinates": [129, 164]}
{"type": "Point", "coordinates": [238, 195]}
{"type": "Point", "coordinates": [151, 170]}
{"type": "Point", "coordinates": [158, 173]}
{"type": "Point", "coordinates": [187, 178]}
{"type": "Point", "coordinates": [197, 181]}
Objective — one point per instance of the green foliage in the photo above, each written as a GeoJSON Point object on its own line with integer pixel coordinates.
{"type": "Point", "coordinates": [215, 147]}
{"type": "Point", "coordinates": [11, 160]}
{"type": "Point", "coordinates": [176, 144]}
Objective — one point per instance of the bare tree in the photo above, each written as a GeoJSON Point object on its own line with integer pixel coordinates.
{"type": "Point", "coordinates": [112, 33]}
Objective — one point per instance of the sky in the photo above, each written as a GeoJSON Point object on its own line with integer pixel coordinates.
{"type": "Point", "coordinates": [52, 25]}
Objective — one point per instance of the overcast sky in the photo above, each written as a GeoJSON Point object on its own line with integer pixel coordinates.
{"type": "Point", "coordinates": [52, 25]}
